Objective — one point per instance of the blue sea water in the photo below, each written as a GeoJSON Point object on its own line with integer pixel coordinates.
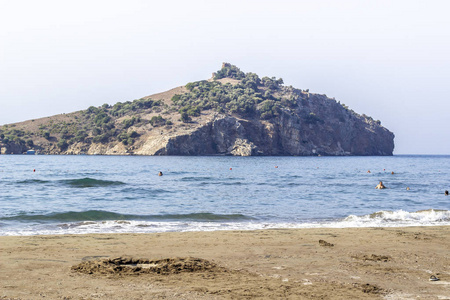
{"type": "Point", "coordinates": [94, 194]}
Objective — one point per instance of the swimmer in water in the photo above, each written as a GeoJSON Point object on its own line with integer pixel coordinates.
{"type": "Point", "coordinates": [446, 193]}
{"type": "Point", "coordinates": [160, 173]}
{"type": "Point", "coordinates": [380, 186]}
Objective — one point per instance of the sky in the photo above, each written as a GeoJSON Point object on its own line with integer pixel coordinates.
{"type": "Point", "coordinates": [386, 59]}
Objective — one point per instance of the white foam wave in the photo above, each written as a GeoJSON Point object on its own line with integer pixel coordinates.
{"type": "Point", "coordinates": [398, 218]}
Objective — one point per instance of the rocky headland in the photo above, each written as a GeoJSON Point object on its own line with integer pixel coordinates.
{"type": "Point", "coordinates": [233, 113]}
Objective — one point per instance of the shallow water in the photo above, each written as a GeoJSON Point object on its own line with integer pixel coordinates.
{"type": "Point", "coordinates": [85, 194]}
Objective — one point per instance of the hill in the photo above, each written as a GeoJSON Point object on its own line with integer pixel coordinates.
{"type": "Point", "coordinates": [233, 113]}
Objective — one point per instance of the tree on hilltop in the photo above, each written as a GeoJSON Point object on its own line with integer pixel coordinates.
{"type": "Point", "coordinates": [229, 71]}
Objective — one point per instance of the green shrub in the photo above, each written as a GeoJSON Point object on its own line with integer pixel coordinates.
{"type": "Point", "coordinates": [185, 117]}
{"type": "Point", "coordinates": [268, 109]}
{"type": "Point", "coordinates": [62, 144]}
{"type": "Point", "coordinates": [130, 122]}
{"type": "Point", "coordinates": [133, 134]}
{"type": "Point", "coordinates": [101, 118]}
{"type": "Point", "coordinates": [80, 136]}
{"type": "Point", "coordinates": [157, 121]}
{"type": "Point", "coordinates": [229, 71]}
{"type": "Point", "coordinates": [127, 139]}
{"type": "Point", "coordinates": [193, 111]}
{"type": "Point", "coordinates": [96, 131]}
{"type": "Point", "coordinates": [272, 83]}
{"type": "Point", "coordinates": [176, 98]}
{"type": "Point", "coordinates": [93, 110]}
{"type": "Point", "coordinates": [102, 138]}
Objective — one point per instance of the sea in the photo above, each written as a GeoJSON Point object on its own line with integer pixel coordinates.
{"type": "Point", "coordinates": [49, 194]}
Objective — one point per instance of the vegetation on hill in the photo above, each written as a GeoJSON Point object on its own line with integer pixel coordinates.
{"type": "Point", "coordinates": [9, 134]}
{"type": "Point", "coordinates": [250, 97]}
{"type": "Point", "coordinates": [246, 95]}
{"type": "Point", "coordinates": [93, 125]}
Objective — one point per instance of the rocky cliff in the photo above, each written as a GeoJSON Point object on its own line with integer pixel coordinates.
{"type": "Point", "coordinates": [231, 114]}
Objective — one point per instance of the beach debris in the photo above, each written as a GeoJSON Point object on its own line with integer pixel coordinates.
{"type": "Point", "coordinates": [369, 288]}
{"type": "Point", "coordinates": [372, 257]}
{"type": "Point", "coordinates": [136, 266]}
{"type": "Point", "coordinates": [433, 278]}
{"type": "Point", "coordinates": [325, 244]}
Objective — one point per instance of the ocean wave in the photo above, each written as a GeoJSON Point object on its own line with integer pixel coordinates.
{"type": "Point", "coordinates": [187, 222]}
{"type": "Point", "coordinates": [90, 182]}
{"type": "Point", "coordinates": [192, 178]}
{"type": "Point", "coordinates": [80, 183]}
{"type": "Point", "coordinates": [223, 183]}
{"type": "Point", "coordinates": [32, 181]}
{"type": "Point", "coordinates": [399, 218]}
{"type": "Point", "coordinates": [110, 222]}
{"type": "Point", "coordinates": [290, 176]}
{"type": "Point", "coordinates": [100, 215]}
{"type": "Point", "coordinates": [147, 190]}
{"type": "Point", "coordinates": [129, 227]}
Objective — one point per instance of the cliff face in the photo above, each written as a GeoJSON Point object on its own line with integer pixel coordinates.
{"type": "Point", "coordinates": [239, 115]}
{"type": "Point", "coordinates": [13, 148]}
{"type": "Point", "coordinates": [348, 134]}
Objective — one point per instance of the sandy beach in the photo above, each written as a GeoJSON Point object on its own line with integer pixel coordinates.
{"type": "Point", "coordinates": [356, 263]}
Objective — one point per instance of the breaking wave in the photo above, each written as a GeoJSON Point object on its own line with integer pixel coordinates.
{"type": "Point", "coordinates": [100, 215]}
{"type": "Point", "coordinates": [399, 218]}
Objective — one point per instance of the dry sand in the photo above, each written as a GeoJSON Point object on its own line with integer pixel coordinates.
{"type": "Point", "coordinates": [357, 263]}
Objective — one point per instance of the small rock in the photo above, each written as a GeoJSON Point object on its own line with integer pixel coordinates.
{"type": "Point", "coordinates": [325, 244]}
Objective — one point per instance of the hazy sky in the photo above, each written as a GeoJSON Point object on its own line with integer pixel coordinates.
{"type": "Point", "coordinates": [387, 59]}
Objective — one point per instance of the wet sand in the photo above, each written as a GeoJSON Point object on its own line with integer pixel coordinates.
{"type": "Point", "coordinates": [356, 263]}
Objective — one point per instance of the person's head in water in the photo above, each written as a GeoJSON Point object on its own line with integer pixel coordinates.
{"type": "Point", "coordinates": [380, 185]}
{"type": "Point", "coordinates": [446, 193]}
{"type": "Point", "coordinates": [160, 173]}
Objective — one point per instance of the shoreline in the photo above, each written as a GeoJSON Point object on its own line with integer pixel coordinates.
{"type": "Point", "coordinates": [209, 222]}
{"type": "Point", "coordinates": [348, 263]}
